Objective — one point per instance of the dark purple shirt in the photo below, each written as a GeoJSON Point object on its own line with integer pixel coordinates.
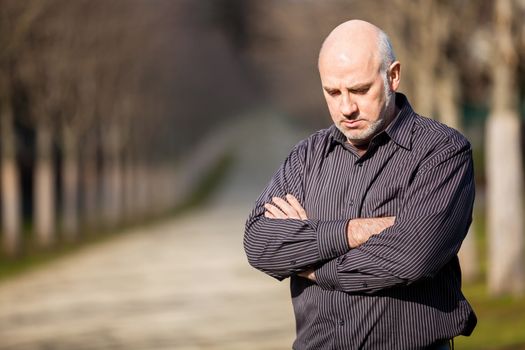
{"type": "Point", "coordinates": [402, 288]}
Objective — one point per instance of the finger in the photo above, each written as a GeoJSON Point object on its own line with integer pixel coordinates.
{"type": "Point", "coordinates": [309, 274]}
{"type": "Point", "coordinates": [303, 274]}
{"type": "Point", "coordinates": [276, 212]}
{"type": "Point", "coordinates": [269, 215]}
{"type": "Point", "coordinates": [297, 206]}
{"type": "Point", "coordinates": [286, 208]}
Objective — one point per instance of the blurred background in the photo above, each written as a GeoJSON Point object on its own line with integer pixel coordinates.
{"type": "Point", "coordinates": [135, 136]}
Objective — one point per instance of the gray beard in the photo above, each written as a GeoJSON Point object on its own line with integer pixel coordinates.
{"type": "Point", "coordinates": [357, 137]}
{"type": "Point", "coordinates": [362, 136]}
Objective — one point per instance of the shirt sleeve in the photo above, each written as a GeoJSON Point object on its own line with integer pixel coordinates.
{"type": "Point", "coordinates": [426, 235]}
{"type": "Point", "coordinates": [281, 248]}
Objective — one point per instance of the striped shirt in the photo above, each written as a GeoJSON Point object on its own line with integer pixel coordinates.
{"type": "Point", "coordinates": [402, 288]}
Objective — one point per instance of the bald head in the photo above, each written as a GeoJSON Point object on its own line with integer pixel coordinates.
{"type": "Point", "coordinates": [358, 40]}
{"type": "Point", "coordinates": [359, 75]}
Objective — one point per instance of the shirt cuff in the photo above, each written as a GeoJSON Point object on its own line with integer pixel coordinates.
{"type": "Point", "coordinates": [332, 239]}
{"type": "Point", "coordinates": [326, 276]}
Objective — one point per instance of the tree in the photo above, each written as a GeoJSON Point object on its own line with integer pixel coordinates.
{"type": "Point", "coordinates": [503, 161]}
{"type": "Point", "coordinates": [42, 77]}
{"type": "Point", "coordinates": [16, 22]}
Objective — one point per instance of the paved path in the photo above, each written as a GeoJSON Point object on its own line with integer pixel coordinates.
{"type": "Point", "coordinates": [182, 284]}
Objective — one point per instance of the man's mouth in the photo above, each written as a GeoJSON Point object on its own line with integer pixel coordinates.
{"type": "Point", "coordinates": [351, 124]}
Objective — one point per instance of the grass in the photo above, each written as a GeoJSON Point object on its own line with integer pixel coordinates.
{"type": "Point", "coordinates": [32, 257]}
{"type": "Point", "coordinates": [501, 321]}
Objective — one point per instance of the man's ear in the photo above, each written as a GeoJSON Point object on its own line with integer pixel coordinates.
{"type": "Point", "coordinates": [394, 75]}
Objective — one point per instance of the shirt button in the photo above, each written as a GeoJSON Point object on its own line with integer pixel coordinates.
{"type": "Point", "coordinates": [341, 322]}
{"type": "Point", "coordinates": [364, 284]}
{"type": "Point", "coordinates": [351, 202]}
{"type": "Point", "coordinates": [293, 262]}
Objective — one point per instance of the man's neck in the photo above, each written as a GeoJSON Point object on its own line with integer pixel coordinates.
{"type": "Point", "coordinates": [361, 149]}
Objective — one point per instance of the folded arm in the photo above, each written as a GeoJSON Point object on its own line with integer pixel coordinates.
{"type": "Point", "coordinates": [281, 241]}
{"type": "Point", "coordinates": [281, 248]}
{"type": "Point", "coordinates": [427, 234]}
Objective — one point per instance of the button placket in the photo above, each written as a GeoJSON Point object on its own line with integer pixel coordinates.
{"type": "Point", "coordinates": [350, 201]}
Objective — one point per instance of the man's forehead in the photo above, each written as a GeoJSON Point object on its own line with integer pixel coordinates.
{"type": "Point", "coordinates": [349, 69]}
{"type": "Point", "coordinates": [335, 82]}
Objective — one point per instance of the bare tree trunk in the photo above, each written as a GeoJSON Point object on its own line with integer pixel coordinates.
{"type": "Point", "coordinates": [504, 168]}
{"type": "Point", "coordinates": [127, 183]}
{"type": "Point", "coordinates": [90, 185]}
{"type": "Point", "coordinates": [429, 54]}
{"type": "Point", "coordinates": [448, 110]}
{"type": "Point", "coordinates": [70, 184]}
{"type": "Point", "coordinates": [424, 92]}
{"type": "Point", "coordinates": [448, 96]}
{"type": "Point", "coordinates": [131, 198]}
{"type": "Point", "coordinates": [44, 186]}
{"type": "Point", "coordinates": [137, 180]}
{"type": "Point", "coordinates": [141, 180]}
{"type": "Point", "coordinates": [112, 177]}
{"type": "Point", "coordinates": [468, 257]}
{"type": "Point", "coordinates": [11, 213]}
{"type": "Point", "coordinates": [505, 204]}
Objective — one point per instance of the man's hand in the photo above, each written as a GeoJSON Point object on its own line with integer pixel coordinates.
{"type": "Point", "coordinates": [285, 209]}
{"type": "Point", "coordinates": [360, 230]}
{"type": "Point", "coordinates": [310, 274]}
{"type": "Point", "coordinates": [288, 209]}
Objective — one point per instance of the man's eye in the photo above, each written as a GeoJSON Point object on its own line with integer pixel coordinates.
{"type": "Point", "coordinates": [361, 91]}
{"type": "Point", "coordinates": [333, 92]}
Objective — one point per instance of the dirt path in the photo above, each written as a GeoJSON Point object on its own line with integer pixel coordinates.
{"type": "Point", "coordinates": [182, 284]}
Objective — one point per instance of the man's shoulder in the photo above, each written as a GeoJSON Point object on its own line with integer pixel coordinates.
{"type": "Point", "coordinates": [317, 141]}
{"type": "Point", "coordinates": [432, 133]}
{"type": "Point", "coordinates": [436, 143]}
{"type": "Point", "coordinates": [314, 147]}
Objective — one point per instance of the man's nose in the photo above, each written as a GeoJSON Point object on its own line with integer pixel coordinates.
{"type": "Point", "coordinates": [348, 106]}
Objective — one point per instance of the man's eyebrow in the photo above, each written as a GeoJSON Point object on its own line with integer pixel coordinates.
{"type": "Point", "coordinates": [357, 86]}
{"type": "Point", "coordinates": [360, 86]}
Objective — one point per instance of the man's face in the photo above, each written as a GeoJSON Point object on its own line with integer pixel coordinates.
{"type": "Point", "coordinates": [356, 94]}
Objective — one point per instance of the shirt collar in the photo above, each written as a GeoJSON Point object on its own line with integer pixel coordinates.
{"type": "Point", "coordinates": [399, 130]}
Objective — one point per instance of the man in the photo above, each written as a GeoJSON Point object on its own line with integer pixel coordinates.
{"type": "Point", "coordinates": [366, 217]}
